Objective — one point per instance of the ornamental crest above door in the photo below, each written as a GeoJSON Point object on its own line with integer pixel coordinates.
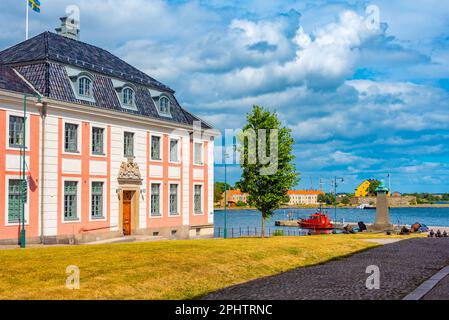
{"type": "Point", "coordinates": [129, 173]}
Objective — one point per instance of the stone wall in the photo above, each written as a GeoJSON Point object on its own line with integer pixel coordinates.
{"type": "Point", "coordinates": [393, 201]}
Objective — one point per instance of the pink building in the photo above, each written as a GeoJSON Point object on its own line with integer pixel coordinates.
{"type": "Point", "coordinates": [109, 151]}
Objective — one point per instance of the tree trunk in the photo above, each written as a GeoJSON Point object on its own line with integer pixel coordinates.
{"type": "Point", "coordinates": [262, 234]}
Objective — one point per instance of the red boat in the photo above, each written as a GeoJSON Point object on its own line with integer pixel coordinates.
{"type": "Point", "coordinates": [316, 221]}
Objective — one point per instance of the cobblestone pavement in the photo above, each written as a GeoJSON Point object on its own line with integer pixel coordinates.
{"type": "Point", "coordinates": [440, 292]}
{"type": "Point", "coordinates": [403, 267]}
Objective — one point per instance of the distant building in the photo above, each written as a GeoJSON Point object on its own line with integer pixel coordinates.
{"type": "Point", "coordinates": [234, 196]}
{"type": "Point", "coordinates": [363, 189]}
{"type": "Point", "coordinates": [303, 196]}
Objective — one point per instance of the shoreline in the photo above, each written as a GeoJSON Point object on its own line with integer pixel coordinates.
{"type": "Point", "coordinates": [424, 206]}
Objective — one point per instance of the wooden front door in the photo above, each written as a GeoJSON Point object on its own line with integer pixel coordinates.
{"type": "Point", "coordinates": [127, 197]}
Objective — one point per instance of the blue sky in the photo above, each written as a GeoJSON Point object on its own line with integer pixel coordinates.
{"type": "Point", "coordinates": [360, 102]}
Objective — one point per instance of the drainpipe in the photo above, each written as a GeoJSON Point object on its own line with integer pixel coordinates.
{"type": "Point", "coordinates": [43, 113]}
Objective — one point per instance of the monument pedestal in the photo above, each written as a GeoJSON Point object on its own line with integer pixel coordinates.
{"type": "Point", "coordinates": [382, 210]}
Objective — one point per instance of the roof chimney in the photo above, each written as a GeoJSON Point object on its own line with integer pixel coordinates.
{"type": "Point", "coordinates": [69, 28]}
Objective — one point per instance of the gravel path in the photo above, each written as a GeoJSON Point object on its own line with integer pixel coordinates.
{"type": "Point", "coordinates": [440, 292]}
{"type": "Point", "coordinates": [403, 267]}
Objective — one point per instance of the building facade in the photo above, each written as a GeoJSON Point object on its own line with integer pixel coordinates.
{"type": "Point", "coordinates": [108, 150]}
{"type": "Point", "coordinates": [235, 196]}
{"type": "Point", "coordinates": [304, 197]}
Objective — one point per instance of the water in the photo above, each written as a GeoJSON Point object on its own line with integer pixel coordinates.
{"type": "Point", "coordinates": [251, 218]}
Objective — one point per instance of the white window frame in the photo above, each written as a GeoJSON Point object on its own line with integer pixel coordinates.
{"type": "Point", "coordinates": [123, 142]}
{"type": "Point", "coordinates": [178, 151]}
{"type": "Point", "coordinates": [119, 87]}
{"type": "Point", "coordinates": [159, 109]}
{"type": "Point", "coordinates": [83, 96]}
{"type": "Point", "coordinates": [178, 199]}
{"type": "Point", "coordinates": [78, 136]}
{"type": "Point", "coordinates": [195, 142]}
{"type": "Point", "coordinates": [105, 213]}
{"type": "Point", "coordinates": [27, 204]}
{"type": "Point", "coordinates": [202, 199]}
{"type": "Point", "coordinates": [161, 198]}
{"type": "Point", "coordinates": [120, 96]}
{"type": "Point", "coordinates": [161, 146]}
{"type": "Point", "coordinates": [78, 200]}
{"type": "Point", "coordinates": [27, 129]}
{"type": "Point", "coordinates": [105, 140]}
{"type": "Point", "coordinates": [75, 75]}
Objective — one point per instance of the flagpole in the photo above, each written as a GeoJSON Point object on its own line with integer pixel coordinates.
{"type": "Point", "coordinates": [26, 23]}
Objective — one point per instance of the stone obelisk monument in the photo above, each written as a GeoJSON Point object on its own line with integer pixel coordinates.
{"type": "Point", "coordinates": [382, 209]}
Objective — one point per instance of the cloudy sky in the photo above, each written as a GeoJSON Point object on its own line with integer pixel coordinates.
{"type": "Point", "coordinates": [361, 101]}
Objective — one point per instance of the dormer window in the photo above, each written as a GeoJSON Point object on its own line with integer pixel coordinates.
{"type": "Point", "coordinates": [82, 83]}
{"type": "Point", "coordinates": [164, 105]}
{"type": "Point", "coordinates": [85, 87]}
{"type": "Point", "coordinates": [128, 97]}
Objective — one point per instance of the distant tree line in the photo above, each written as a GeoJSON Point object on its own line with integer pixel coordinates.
{"type": "Point", "coordinates": [429, 198]}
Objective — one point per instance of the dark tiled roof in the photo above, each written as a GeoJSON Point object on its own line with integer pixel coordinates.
{"type": "Point", "coordinates": [10, 81]}
{"type": "Point", "coordinates": [50, 46]}
{"type": "Point", "coordinates": [41, 61]}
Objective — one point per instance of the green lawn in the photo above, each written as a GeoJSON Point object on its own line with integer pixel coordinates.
{"type": "Point", "coordinates": [162, 270]}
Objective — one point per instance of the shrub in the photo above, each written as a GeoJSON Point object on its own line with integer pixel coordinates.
{"type": "Point", "coordinates": [278, 233]}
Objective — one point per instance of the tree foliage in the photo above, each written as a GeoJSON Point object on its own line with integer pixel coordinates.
{"type": "Point", "coordinates": [219, 188]}
{"type": "Point", "coordinates": [266, 191]}
{"type": "Point", "coordinates": [327, 198]}
{"type": "Point", "coordinates": [372, 187]}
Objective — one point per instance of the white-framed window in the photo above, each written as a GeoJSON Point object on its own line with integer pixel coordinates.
{"type": "Point", "coordinates": [155, 199]}
{"type": "Point", "coordinates": [71, 137]}
{"type": "Point", "coordinates": [82, 84]}
{"type": "Point", "coordinates": [97, 200]}
{"type": "Point", "coordinates": [156, 148]}
{"type": "Point", "coordinates": [85, 87]}
{"type": "Point", "coordinates": [128, 144]}
{"type": "Point", "coordinates": [14, 132]}
{"type": "Point", "coordinates": [15, 193]}
{"type": "Point", "coordinates": [164, 106]}
{"type": "Point", "coordinates": [173, 199]}
{"type": "Point", "coordinates": [198, 153]}
{"type": "Point", "coordinates": [174, 150]}
{"type": "Point", "coordinates": [71, 200]}
{"type": "Point", "coordinates": [97, 141]}
{"type": "Point", "coordinates": [128, 97]}
{"type": "Point", "coordinates": [198, 199]}
{"type": "Point", "coordinates": [16, 127]}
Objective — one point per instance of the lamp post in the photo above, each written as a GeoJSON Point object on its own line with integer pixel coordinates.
{"type": "Point", "coordinates": [335, 201]}
{"type": "Point", "coordinates": [24, 187]}
{"type": "Point", "coordinates": [226, 156]}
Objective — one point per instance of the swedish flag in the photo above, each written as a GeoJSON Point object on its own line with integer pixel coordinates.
{"type": "Point", "coordinates": [35, 5]}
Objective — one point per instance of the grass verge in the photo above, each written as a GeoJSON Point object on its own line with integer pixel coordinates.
{"type": "Point", "coordinates": [163, 270]}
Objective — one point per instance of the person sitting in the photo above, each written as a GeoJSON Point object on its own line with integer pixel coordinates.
{"type": "Point", "coordinates": [445, 234]}
{"type": "Point", "coordinates": [404, 231]}
{"type": "Point", "coordinates": [431, 233]}
{"type": "Point", "coordinates": [415, 227]}
{"type": "Point", "coordinates": [438, 235]}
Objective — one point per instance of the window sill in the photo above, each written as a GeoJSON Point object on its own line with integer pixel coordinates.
{"type": "Point", "coordinates": [174, 215]}
{"type": "Point", "coordinates": [71, 221]}
{"type": "Point", "coordinates": [153, 216]}
{"type": "Point", "coordinates": [20, 147]}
